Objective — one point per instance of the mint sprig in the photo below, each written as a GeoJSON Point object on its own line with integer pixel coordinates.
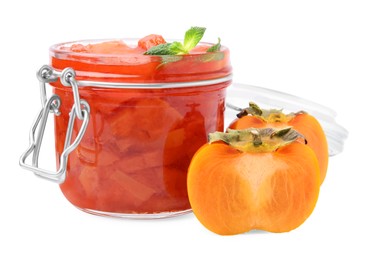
{"type": "Point", "coordinates": [192, 37]}
{"type": "Point", "coordinates": [161, 49]}
{"type": "Point", "coordinates": [177, 48]}
{"type": "Point", "coordinates": [215, 47]}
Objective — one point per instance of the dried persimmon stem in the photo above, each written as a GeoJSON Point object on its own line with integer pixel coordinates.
{"type": "Point", "coordinates": [257, 139]}
{"type": "Point", "coordinates": [268, 115]}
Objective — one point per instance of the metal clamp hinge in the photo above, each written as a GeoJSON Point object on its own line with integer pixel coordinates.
{"type": "Point", "coordinates": [80, 110]}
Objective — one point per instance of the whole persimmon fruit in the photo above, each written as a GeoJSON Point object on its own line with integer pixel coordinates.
{"type": "Point", "coordinates": [253, 179]}
{"type": "Point", "coordinates": [304, 123]}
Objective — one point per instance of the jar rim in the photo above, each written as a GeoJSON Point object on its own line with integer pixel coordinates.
{"type": "Point", "coordinates": [56, 49]}
{"type": "Point", "coordinates": [134, 67]}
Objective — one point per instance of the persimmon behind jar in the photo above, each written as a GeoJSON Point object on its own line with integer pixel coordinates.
{"type": "Point", "coordinates": [149, 115]}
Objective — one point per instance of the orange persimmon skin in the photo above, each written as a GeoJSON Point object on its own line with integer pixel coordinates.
{"type": "Point", "coordinates": [233, 192]}
{"type": "Point", "coordinates": [306, 124]}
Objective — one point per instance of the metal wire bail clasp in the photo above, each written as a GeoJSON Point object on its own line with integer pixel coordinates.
{"type": "Point", "coordinates": [80, 110]}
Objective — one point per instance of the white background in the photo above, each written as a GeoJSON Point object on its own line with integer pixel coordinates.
{"type": "Point", "coordinates": [327, 51]}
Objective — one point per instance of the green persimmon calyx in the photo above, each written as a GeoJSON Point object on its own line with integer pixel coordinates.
{"type": "Point", "coordinates": [268, 115]}
{"type": "Point", "coordinates": [257, 139]}
{"type": "Point", "coordinates": [192, 37]}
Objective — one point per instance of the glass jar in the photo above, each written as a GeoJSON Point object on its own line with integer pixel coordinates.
{"type": "Point", "coordinates": [148, 115]}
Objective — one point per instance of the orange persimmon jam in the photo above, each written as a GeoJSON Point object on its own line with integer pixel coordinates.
{"type": "Point", "coordinates": [148, 117]}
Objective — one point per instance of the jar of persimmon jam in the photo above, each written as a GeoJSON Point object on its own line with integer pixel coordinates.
{"type": "Point", "coordinates": [127, 124]}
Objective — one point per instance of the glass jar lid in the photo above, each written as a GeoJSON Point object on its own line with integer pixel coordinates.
{"type": "Point", "coordinates": [240, 95]}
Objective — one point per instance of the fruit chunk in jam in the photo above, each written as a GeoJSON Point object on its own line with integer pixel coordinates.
{"type": "Point", "coordinates": [118, 46]}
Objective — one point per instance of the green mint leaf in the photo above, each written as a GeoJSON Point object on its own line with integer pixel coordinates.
{"type": "Point", "coordinates": [192, 37]}
{"type": "Point", "coordinates": [161, 49]}
{"type": "Point", "coordinates": [215, 47]}
{"type": "Point", "coordinates": [177, 48]}
{"type": "Point", "coordinates": [212, 56]}
{"type": "Point", "coordinates": [166, 59]}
